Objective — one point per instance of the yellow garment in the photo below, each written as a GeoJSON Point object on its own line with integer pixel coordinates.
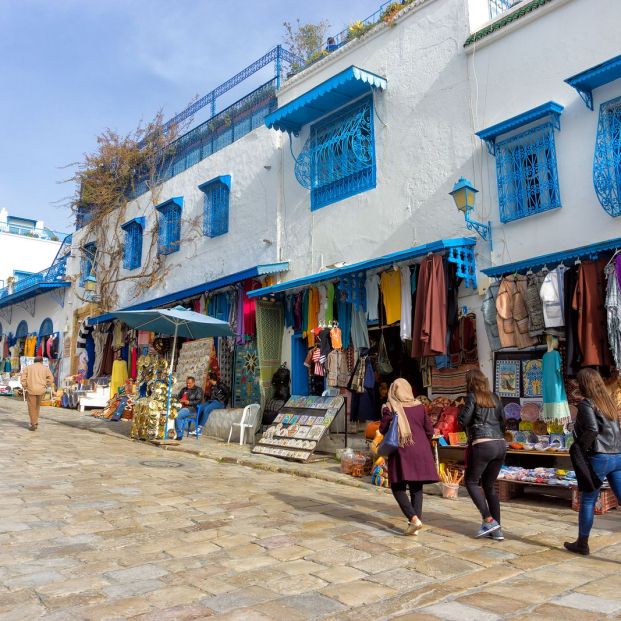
{"type": "Point", "coordinates": [29, 346]}
{"type": "Point", "coordinates": [313, 314]}
{"type": "Point", "coordinates": [390, 285]}
{"type": "Point", "coordinates": [119, 376]}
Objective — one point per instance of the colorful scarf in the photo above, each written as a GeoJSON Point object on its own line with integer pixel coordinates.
{"type": "Point", "coordinates": [400, 396]}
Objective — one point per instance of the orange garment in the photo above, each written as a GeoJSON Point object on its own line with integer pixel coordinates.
{"type": "Point", "coordinates": [30, 346]}
{"type": "Point", "coordinates": [336, 338]}
{"type": "Point", "coordinates": [313, 314]}
{"type": "Point", "coordinates": [390, 285]}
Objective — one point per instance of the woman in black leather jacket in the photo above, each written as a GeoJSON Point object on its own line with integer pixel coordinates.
{"type": "Point", "coordinates": [483, 419]}
{"type": "Point", "coordinates": [597, 432]}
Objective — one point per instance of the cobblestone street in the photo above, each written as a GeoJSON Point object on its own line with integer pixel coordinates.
{"type": "Point", "coordinates": [95, 527]}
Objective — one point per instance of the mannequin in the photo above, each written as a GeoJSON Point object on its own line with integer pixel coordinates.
{"type": "Point", "coordinates": [555, 406]}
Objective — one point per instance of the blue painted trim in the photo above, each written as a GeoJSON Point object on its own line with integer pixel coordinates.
{"type": "Point", "coordinates": [554, 258]}
{"type": "Point", "coordinates": [31, 292]}
{"type": "Point", "coordinates": [225, 179]}
{"type": "Point", "coordinates": [335, 92]}
{"type": "Point", "coordinates": [140, 220]}
{"type": "Point", "coordinates": [588, 80]}
{"type": "Point", "coordinates": [175, 200]}
{"type": "Point", "coordinates": [387, 259]}
{"type": "Point", "coordinates": [219, 283]}
{"type": "Point", "coordinates": [551, 108]}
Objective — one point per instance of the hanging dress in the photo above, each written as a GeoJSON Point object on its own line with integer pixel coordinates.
{"type": "Point", "coordinates": [555, 406]}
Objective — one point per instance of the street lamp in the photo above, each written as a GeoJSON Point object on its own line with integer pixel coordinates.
{"type": "Point", "coordinates": [463, 194]}
{"type": "Point", "coordinates": [90, 284]}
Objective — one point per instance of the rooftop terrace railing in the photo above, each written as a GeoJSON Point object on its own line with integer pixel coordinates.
{"type": "Point", "coordinates": [55, 273]}
{"type": "Point", "coordinates": [35, 233]}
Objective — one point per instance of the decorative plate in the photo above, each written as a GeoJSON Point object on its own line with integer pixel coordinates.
{"type": "Point", "coordinates": [512, 411]}
{"type": "Point", "coordinates": [530, 412]}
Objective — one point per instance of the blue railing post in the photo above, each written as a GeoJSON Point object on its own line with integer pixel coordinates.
{"type": "Point", "coordinates": [278, 69]}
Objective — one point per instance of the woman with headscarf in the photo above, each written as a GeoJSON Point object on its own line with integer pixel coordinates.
{"type": "Point", "coordinates": [412, 464]}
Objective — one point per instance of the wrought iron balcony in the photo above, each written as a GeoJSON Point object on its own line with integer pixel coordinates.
{"type": "Point", "coordinates": [51, 277]}
{"type": "Point", "coordinates": [34, 233]}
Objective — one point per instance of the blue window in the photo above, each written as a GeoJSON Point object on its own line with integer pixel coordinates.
{"type": "Point", "coordinates": [132, 250]}
{"type": "Point", "coordinates": [526, 173]}
{"type": "Point", "coordinates": [216, 205]}
{"type": "Point", "coordinates": [22, 330]}
{"type": "Point", "coordinates": [607, 158]}
{"type": "Point", "coordinates": [342, 148]}
{"type": "Point", "coordinates": [169, 226]}
{"type": "Point", "coordinates": [87, 262]}
{"type": "Point", "coordinates": [47, 327]}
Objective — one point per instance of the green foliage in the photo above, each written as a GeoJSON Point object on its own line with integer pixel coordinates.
{"type": "Point", "coordinates": [306, 40]}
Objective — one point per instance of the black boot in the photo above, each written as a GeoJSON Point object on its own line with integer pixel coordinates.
{"type": "Point", "coordinates": [580, 546]}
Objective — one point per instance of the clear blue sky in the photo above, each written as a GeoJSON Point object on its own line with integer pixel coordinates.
{"type": "Point", "coordinates": [71, 68]}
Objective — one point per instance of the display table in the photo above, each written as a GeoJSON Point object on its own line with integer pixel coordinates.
{"type": "Point", "coordinates": [97, 398]}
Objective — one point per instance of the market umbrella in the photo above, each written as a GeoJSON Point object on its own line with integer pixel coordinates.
{"type": "Point", "coordinates": [177, 321]}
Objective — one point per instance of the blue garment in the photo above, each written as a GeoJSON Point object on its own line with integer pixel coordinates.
{"type": "Point", "coordinates": [555, 406]}
{"type": "Point", "coordinates": [344, 318]}
{"type": "Point", "coordinates": [182, 415]}
{"type": "Point", "coordinates": [605, 466]}
{"type": "Point", "coordinates": [207, 408]}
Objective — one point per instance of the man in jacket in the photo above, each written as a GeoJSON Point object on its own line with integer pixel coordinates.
{"type": "Point", "coordinates": [189, 397]}
{"type": "Point", "coordinates": [35, 379]}
{"type": "Point", "coordinates": [219, 397]}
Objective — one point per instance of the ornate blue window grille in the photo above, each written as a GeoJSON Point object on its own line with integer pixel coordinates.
{"type": "Point", "coordinates": [47, 327]}
{"type": "Point", "coordinates": [527, 174]}
{"type": "Point", "coordinates": [132, 251]}
{"type": "Point", "coordinates": [607, 158]}
{"type": "Point", "coordinates": [342, 154]}
{"type": "Point", "coordinates": [169, 226]}
{"type": "Point", "coordinates": [22, 330]}
{"type": "Point", "coordinates": [216, 206]}
{"type": "Point", "coordinates": [87, 262]}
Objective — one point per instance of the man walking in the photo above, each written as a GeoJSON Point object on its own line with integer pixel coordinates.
{"type": "Point", "coordinates": [35, 379]}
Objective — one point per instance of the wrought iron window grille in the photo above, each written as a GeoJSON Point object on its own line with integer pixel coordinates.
{"type": "Point", "coordinates": [526, 172]}
{"type": "Point", "coordinates": [216, 206]}
{"type": "Point", "coordinates": [607, 157]}
{"type": "Point", "coordinates": [132, 250]}
{"type": "Point", "coordinates": [169, 228]}
{"type": "Point", "coordinates": [87, 262]}
{"type": "Point", "coordinates": [338, 160]}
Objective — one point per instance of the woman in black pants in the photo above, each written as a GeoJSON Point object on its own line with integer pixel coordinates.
{"type": "Point", "coordinates": [483, 419]}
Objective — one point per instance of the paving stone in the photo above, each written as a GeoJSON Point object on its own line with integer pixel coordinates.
{"type": "Point", "coordinates": [379, 563]}
{"type": "Point", "coordinates": [400, 579]}
{"type": "Point", "coordinates": [552, 611]}
{"type": "Point", "coordinates": [141, 572]}
{"type": "Point", "coordinates": [339, 574]}
{"type": "Point", "coordinates": [583, 601]}
{"type": "Point", "coordinates": [314, 604]}
{"type": "Point", "coordinates": [300, 584]}
{"type": "Point", "coordinates": [358, 592]}
{"type": "Point", "coordinates": [241, 598]}
{"type": "Point", "coordinates": [454, 611]}
{"type": "Point", "coordinates": [495, 603]}
{"type": "Point", "coordinates": [132, 588]}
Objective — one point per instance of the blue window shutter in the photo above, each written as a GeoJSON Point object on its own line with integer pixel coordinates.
{"type": "Point", "coordinates": [132, 251]}
{"type": "Point", "coordinates": [342, 154]}
{"type": "Point", "coordinates": [47, 327]}
{"type": "Point", "coordinates": [216, 206]}
{"type": "Point", "coordinates": [607, 157]}
{"type": "Point", "coordinates": [169, 226]}
{"type": "Point", "coordinates": [526, 173]}
{"type": "Point", "coordinates": [22, 329]}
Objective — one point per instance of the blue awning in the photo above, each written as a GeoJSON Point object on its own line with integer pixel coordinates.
{"type": "Point", "coordinates": [31, 292]}
{"type": "Point", "coordinates": [587, 81]}
{"type": "Point", "coordinates": [328, 96]}
{"type": "Point", "coordinates": [592, 251]}
{"type": "Point", "coordinates": [212, 285]}
{"type": "Point", "coordinates": [549, 109]}
{"type": "Point", "coordinates": [451, 246]}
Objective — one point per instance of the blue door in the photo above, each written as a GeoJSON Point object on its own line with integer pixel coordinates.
{"type": "Point", "coordinates": [299, 373]}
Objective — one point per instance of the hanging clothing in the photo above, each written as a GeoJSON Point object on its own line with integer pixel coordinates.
{"type": "Point", "coordinates": [119, 376]}
{"type": "Point", "coordinates": [335, 338]}
{"type": "Point", "coordinates": [551, 294]}
{"type": "Point", "coordinates": [405, 328]}
{"type": "Point", "coordinates": [534, 304]}
{"type": "Point", "coordinates": [490, 315]}
{"type": "Point", "coordinates": [100, 337]}
{"type": "Point", "coordinates": [359, 329]}
{"type": "Point", "coordinates": [323, 304]}
{"type": "Point", "coordinates": [249, 309]}
{"type": "Point", "coordinates": [513, 314]}
{"type": "Point", "coordinates": [555, 406]}
{"type": "Point", "coordinates": [338, 369]}
{"type": "Point", "coordinates": [613, 311]}
{"type": "Point", "coordinates": [371, 285]}
{"type": "Point", "coordinates": [429, 323]}
{"type": "Point", "coordinates": [297, 311]}
{"type": "Point", "coordinates": [588, 300]}
{"type": "Point", "coordinates": [390, 284]}
{"type": "Point", "coordinates": [344, 316]}
{"type": "Point", "coordinates": [118, 339]}
{"type": "Point", "coordinates": [312, 314]}
{"type": "Point", "coordinates": [329, 317]}
{"type": "Point", "coordinates": [573, 355]}
{"type": "Point", "coordinates": [30, 346]}
{"type": "Point", "coordinates": [317, 364]}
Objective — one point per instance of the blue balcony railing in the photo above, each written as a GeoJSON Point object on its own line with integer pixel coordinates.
{"type": "Point", "coordinates": [53, 274]}
{"type": "Point", "coordinates": [47, 234]}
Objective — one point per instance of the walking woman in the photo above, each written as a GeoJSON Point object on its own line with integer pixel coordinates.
{"type": "Point", "coordinates": [597, 433]}
{"type": "Point", "coordinates": [482, 418]}
{"type": "Point", "coordinates": [412, 464]}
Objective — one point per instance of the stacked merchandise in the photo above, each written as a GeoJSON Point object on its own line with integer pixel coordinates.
{"type": "Point", "coordinates": [539, 476]}
{"type": "Point", "coordinates": [149, 422]}
{"type": "Point", "coordinates": [194, 357]}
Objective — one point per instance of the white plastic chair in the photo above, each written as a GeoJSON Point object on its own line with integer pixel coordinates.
{"type": "Point", "coordinates": [331, 392]}
{"type": "Point", "coordinates": [249, 420]}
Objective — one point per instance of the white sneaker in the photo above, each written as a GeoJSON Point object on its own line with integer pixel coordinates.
{"type": "Point", "coordinates": [413, 527]}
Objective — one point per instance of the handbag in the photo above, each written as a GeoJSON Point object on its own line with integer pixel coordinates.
{"type": "Point", "coordinates": [383, 361]}
{"type": "Point", "coordinates": [390, 443]}
{"type": "Point", "coordinates": [588, 481]}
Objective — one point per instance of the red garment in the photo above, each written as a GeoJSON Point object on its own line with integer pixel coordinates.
{"type": "Point", "coordinates": [133, 368]}
{"type": "Point", "coordinates": [588, 300]}
{"type": "Point", "coordinates": [429, 322]}
{"type": "Point", "coordinates": [250, 309]}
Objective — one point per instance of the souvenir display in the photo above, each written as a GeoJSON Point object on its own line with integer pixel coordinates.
{"type": "Point", "coordinates": [193, 361]}
{"type": "Point", "coordinates": [299, 427]}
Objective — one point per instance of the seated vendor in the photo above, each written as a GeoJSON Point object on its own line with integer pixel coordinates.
{"type": "Point", "coordinates": [189, 397]}
{"type": "Point", "coordinates": [219, 393]}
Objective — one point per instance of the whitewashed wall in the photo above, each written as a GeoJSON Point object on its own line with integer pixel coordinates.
{"type": "Point", "coordinates": [254, 163]}
{"type": "Point", "coordinates": [523, 66]}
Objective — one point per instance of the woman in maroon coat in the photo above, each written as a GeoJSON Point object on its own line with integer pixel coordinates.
{"type": "Point", "coordinates": [412, 464]}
